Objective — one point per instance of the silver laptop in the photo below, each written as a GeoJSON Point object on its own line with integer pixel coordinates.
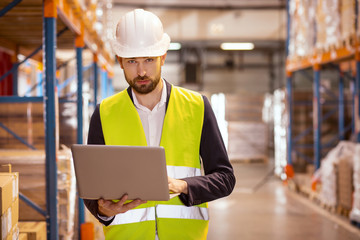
{"type": "Point", "coordinates": [109, 172]}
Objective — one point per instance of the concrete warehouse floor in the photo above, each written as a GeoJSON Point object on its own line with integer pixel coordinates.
{"type": "Point", "coordinates": [262, 207]}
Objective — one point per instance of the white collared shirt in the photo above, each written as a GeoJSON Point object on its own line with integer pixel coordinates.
{"type": "Point", "coordinates": [152, 120]}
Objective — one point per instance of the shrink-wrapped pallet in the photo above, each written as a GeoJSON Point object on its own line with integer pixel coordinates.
{"type": "Point", "coordinates": [355, 211]}
{"type": "Point", "coordinates": [247, 133]}
{"type": "Point", "coordinates": [66, 193]}
{"type": "Point", "coordinates": [328, 169]}
{"type": "Point", "coordinates": [347, 20]}
{"type": "Point", "coordinates": [248, 141]}
{"type": "Point", "coordinates": [328, 24]}
{"type": "Point", "coordinates": [280, 125]}
{"type": "Point", "coordinates": [302, 27]}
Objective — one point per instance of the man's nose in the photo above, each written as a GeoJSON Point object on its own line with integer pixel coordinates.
{"type": "Point", "coordinates": [141, 70]}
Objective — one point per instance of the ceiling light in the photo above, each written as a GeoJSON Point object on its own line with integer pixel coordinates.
{"type": "Point", "coordinates": [237, 46]}
{"type": "Point", "coordinates": [175, 46]}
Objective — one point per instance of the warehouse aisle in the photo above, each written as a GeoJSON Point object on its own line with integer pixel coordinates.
{"type": "Point", "coordinates": [272, 212]}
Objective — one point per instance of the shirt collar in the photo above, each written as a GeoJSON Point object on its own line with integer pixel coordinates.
{"type": "Point", "coordinates": [160, 103]}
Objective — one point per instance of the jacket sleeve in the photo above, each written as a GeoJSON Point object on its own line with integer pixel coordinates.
{"type": "Point", "coordinates": [95, 136]}
{"type": "Point", "coordinates": [219, 179]}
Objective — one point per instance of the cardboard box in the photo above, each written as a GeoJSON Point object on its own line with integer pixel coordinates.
{"type": "Point", "coordinates": [6, 193]}
{"type": "Point", "coordinates": [9, 221]}
{"type": "Point", "coordinates": [15, 183]}
{"type": "Point", "coordinates": [14, 233]}
{"type": "Point", "coordinates": [23, 236]}
{"type": "Point", "coordinates": [33, 230]}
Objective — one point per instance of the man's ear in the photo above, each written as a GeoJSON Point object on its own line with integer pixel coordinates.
{"type": "Point", "coordinates": [162, 59]}
{"type": "Point", "coordinates": [119, 59]}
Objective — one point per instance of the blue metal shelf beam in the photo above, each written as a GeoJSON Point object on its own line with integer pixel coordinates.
{"type": "Point", "coordinates": [9, 7]}
{"type": "Point", "coordinates": [341, 114]}
{"type": "Point", "coordinates": [49, 46]}
{"type": "Point", "coordinates": [317, 118]}
{"type": "Point", "coordinates": [79, 63]}
{"type": "Point", "coordinates": [289, 132]}
{"type": "Point", "coordinates": [17, 136]}
{"type": "Point", "coordinates": [104, 84]}
{"type": "Point", "coordinates": [357, 101]}
{"type": "Point", "coordinates": [32, 204]}
{"type": "Point", "coordinates": [16, 99]}
{"type": "Point", "coordinates": [96, 77]}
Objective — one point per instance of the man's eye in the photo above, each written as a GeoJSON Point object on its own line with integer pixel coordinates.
{"type": "Point", "coordinates": [131, 61]}
{"type": "Point", "coordinates": [149, 59]}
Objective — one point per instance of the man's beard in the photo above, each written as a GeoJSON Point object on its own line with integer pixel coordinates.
{"type": "Point", "coordinates": [144, 88]}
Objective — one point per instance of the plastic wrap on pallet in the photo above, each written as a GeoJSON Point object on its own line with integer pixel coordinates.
{"type": "Point", "coordinates": [355, 211]}
{"type": "Point", "coordinates": [302, 27]}
{"type": "Point", "coordinates": [347, 20]}
{"type": "Point", "coordinates": [328, 193]}
{"type": "Point", "coordinates": [66, 193]}
{"type": "Point", "coordinates": [280, 123]}
{"type": "Point", "coordinates": [328, 24]}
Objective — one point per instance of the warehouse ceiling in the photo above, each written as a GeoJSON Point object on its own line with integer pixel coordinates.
{"type": "Point", "coordinates": [209, 22]}
{"type": "Point", "coordinates": [194, 23]}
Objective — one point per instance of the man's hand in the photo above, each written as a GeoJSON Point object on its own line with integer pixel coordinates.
{"type": "Point", "coordinates": [109, 208]}
{"type": "Point", "coordinates": [177, 186]}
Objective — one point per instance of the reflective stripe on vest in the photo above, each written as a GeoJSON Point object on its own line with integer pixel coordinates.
{"type": "Point", "coordinates": [162, 211]}
{"type": "Point", "coordinates": [181, 135]}
{"type": "Point", "coordinates": [135, 215]}
{"type": "Point", "coordinates": [182, 212]}
{"type": "Point", "coordinates": [182, 172]}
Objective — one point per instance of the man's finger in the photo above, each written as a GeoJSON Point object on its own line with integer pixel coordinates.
{"type": "Point", "coordinates": [133, 204]}
{"type": "Point", "coordinates": [123, 199]}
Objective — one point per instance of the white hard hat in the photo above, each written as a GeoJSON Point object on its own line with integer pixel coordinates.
{"type": "Point", "coordinates": [140, 33]}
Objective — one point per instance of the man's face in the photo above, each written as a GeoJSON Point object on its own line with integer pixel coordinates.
{"type": "Point", "coordinates": [142, 73]}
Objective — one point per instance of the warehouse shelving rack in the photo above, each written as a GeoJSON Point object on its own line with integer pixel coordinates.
{"type": "Point", "coordinates": [351, 51]}
{"type": "Point", "coordinates": [32, 24]}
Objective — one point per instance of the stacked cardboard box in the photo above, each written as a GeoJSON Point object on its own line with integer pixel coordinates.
{"type": "Point", "coordinates": [9, 207]}
{"type": "Point", "coordinates": [345, 182]}
{"type": "Point", "coordinates": [27, 121]}
{"type": "Point", "coordinates": [32, 230]}
{"type": "Point", "coordinates": [31, 166]}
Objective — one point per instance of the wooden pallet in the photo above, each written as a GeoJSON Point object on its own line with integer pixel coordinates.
{"type": "Point", "coordinates": [348, 42]}
{"type": "Point", "coordinates": [343, 211]}
{"type": "Point", "coordinates": [314, 197]}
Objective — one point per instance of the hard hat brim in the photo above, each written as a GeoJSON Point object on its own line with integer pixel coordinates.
{"type": "Point", "coordinates": [158, 49]}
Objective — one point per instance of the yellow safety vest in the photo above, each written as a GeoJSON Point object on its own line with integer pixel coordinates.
{"type": "Point", "coordinates": [181, 135]}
